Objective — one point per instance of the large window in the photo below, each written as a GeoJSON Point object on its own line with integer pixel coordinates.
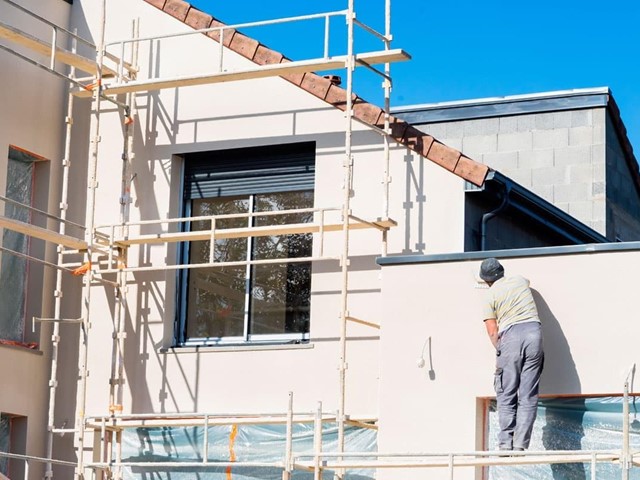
{"type": "Point", "coordinates": [243, 299]}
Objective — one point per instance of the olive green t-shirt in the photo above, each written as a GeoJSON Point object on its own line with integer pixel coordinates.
{"type": "Point", "coordinates": [510, 301]}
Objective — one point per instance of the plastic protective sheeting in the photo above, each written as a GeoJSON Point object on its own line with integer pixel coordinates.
{"type": "Point", "coordinates": [5, 437]}
{"type": "Point", "coordinates": [578, 423]}
{"type": "Point", "coordinates": [13, 269]}
{"type": "Point", "coordinates": [239, 443]}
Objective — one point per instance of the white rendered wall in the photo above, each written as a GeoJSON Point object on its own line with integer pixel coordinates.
{"type": "Point", "coordinates": [426, 201]}
{"type": "Point", "coordinates": [32, 118]}
{"type": "Point", "coordinates": [587, 307]}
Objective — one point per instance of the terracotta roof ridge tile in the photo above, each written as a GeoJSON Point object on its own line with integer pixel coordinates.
{"type": "Point", "coordinates": [324, 89]}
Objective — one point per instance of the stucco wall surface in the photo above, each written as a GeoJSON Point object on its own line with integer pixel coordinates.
{"type": "Point", "coordinates": [432, 310]}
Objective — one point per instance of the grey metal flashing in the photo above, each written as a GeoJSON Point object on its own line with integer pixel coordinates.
{"type": "Point", "coordinates": [506, 106]}
{"type": "Point", "coordinates": [515, 253]}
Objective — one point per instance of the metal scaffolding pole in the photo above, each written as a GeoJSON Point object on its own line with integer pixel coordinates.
{"type": "Point", "coordinates": [92, 184]}
{"type": "Point", "coordinates": [346, 212]}
{"type": "Point", "coordinates": [55, 336]}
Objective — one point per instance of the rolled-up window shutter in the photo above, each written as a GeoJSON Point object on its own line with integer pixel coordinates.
{"type": "Point", "coordinates": [254, 170]}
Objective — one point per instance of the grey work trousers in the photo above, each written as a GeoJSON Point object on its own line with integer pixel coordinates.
{"type": "Point", "coordinates": [519, 362]}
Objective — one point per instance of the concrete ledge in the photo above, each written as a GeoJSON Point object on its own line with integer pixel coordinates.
{"type": "Point", "coordinates": [515, 253]}
{"type": "Point", "coordinates": [236, 348]}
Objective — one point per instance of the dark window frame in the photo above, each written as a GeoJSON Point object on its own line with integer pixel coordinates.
{"type": "Point", "coordinates": [253, 172]}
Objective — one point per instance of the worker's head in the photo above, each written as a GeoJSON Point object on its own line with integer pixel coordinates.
{"type": "Point", "coordinates": [491, 270]}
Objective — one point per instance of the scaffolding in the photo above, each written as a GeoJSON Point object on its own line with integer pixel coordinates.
{"type": "Point", "coordinates": [105, 251]}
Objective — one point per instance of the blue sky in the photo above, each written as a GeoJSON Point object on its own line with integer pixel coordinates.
{"type": "Point", "coordinates": [468, 49]}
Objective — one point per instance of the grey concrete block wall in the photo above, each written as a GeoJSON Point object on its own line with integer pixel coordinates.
{"type": "Point", "coordinates": [557, 155]}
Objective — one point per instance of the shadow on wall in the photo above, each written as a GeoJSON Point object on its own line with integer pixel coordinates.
{"type": "Point", "coordinates": [560, 376]}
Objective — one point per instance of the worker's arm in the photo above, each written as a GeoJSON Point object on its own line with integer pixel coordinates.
{"type": "Point", "coordinates": [492, 330]}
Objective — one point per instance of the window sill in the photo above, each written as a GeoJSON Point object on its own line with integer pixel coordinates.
{"type": "Point", "coordinates": [237, 348]}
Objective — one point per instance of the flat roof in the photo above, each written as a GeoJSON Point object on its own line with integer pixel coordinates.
{"type": "Point", "coordinates": [503, 106]}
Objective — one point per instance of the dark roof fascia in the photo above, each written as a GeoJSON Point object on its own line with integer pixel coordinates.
{"type": "Point", "coordinates": [505, 106]}
{"type": "Point", "coordinates": [515, 253]}
{"type": "Point", "coordinates": [541, 210]}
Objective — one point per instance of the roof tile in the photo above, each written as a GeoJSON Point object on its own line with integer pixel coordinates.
{"type": "Point", "coordinates": [227, 35]}
{"type": "Point", "coordinates": [197, 19]}
{"type": "Point", "coordinates": [316, 85]}
{"type": "Point", "coordinates": [244, 45]}
{"type": "Point", "coordinates": [471, 171]}
{"type": "Point", "coordinates": [337, 97]}
{"type": "Point", "coordinates": [444, 156]}
{"type": "Point", "coordinates": [157, 3]}
{"type": "Point", "coordinates": [417, 140]}
{"type": "Point", "coordinates": [295, 78]}
{"type": "Point", "coordinates": [266, 56]}
{"type": "Point", "coordinates": [177, 9]}
{"type": "Point", "coordinates": [366, 112]}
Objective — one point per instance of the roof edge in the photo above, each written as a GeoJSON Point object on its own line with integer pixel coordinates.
{"type": "Point", "coordinates": [324, 89]}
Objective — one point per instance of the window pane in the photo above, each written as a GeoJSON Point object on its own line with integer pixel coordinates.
{"type": "Point", "coordinates": [216, 296]}
{"type": "Point", "coordinates": [280, 293]}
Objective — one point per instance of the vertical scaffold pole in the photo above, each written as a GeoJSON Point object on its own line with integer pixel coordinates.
{"type": "Point", "coordinates": [55, 334]}
{"type": "Point", "coordinates": [626, 464]}
{"type": "Point", "coordinates": [387, 108]}
{"type": "Point", "coordinates": [286, 473]}
{"type": "Point", "coordinates": [346, 212]}
{"type": "Point", "coordinates": [92, 184]}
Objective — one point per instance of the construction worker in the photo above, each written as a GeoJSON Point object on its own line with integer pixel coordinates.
{"type": "Point", "coordinates": [512, 323]}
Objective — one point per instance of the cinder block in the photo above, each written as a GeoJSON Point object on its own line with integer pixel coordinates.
{"type": "Point", "coordinates": [598, 134]}
{"type": "Point", "coordinates": [564, 206]}
{"type": "Point", "coordinates": [521, 176]}
{"type": "Point", "coordinates": [502, 161]}
{"type": "Point", "coordinates": [597, 189]}
{"type": "Point", "coordinates": [572, 156]}
{"type": "Point", "coordinates": [508, 125]}
{"type": "Point", "coordinates": [562, 119]}
{"type": "Point", "coordinates": [599, 212]}
{"type": "Point", "coordinates": [581, 173]}
{"type": "Point", "coordinates": [579, 136]}
{"type": "Point", "coordinates": [573, 192]}
{"type": "Point", "coordinates": [599, 172]}
{"type": "Point", "coordinates": [511, 142]}
{"type": "Point", "coordinates": [526, 123]}
{"type": "Point", "coordinates": [599, 115]}
{"type": "Point", "coordinates": [544, 191]}
{"type": "Point", "coordinates": [535, 158]}
{"type": "Point", "coordinates": [452, 142]}
{"type": "Point", "coordinates": [583, 211]}
{"type": "Point", "coordinates": [599, 226]}
{"type": "Point", "coordinates": [484, 126]}
{"type": "Point", "coordinates": [548, 176]}
{"type": "Point", "coordinates": [454, 129]}
{"type": "Point", "coordinates": [544, 121]}
{"type": "Point", "coordinates": [437, 130]}
{"type": "Point", "coordinates": [598, 154]}
{"type": "Point", "coordinates": [480, 145]}
{"type": "Point", "coordinates": [581, 118]}
{"type": "Point", "coordinates": [551, 138]}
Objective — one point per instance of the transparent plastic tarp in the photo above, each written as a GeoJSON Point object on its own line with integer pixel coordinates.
{"type": "Point", "coordinates": [242, 443]}
{"type": "Point", "coordinates": [5, 432]}
{"type": "Point", "coordinates": [13, 269]}
{"type": "Point", "coordinates": [578, 423]}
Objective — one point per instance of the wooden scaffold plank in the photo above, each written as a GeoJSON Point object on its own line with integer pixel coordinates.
{"type": "Point", "coordinates": [42, 233]}
{"type": "Point", "coordinates": [271, 70]}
